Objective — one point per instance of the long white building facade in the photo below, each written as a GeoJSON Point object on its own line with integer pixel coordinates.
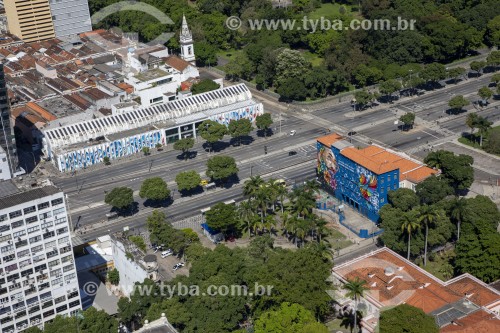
{"type": "Point", "coordinates": [83, 144]}
{"type": "Point", "coordinates": [37, 272]}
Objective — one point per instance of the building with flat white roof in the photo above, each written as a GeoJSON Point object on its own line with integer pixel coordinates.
{"type": "Point", "coordinates": [86, 143]}
{"type": "Point", "coordinates": [4, 165]}
{"type": "Point", "coordinates": [37, 272]}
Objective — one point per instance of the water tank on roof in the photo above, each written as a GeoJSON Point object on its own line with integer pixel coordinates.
{"type": "Point", "coordinates": [389, 271]}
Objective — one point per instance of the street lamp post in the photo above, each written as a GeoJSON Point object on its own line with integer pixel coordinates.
{"type": "Point", "coordinates": [251, 170]}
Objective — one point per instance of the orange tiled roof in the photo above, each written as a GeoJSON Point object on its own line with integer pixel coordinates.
{"type": "Point", "coordinates": [177, 63]}
{"type": "Point", "coordinates": [408, 284]}
{"type": "Point", "coordinates": [329, 139]}
{"type": "Point", "coordinates": [41, 111]}
{"type": "Point", "coordinates": [127, 87]}
{"type": "Point", "coordinates": [418, 175]}
{"type": "Point", "coordinates": [477, 322]}
{"type": "Point", "coordinates": [476, 290]}
{"type": "Point", "coordinates": [380, 160]}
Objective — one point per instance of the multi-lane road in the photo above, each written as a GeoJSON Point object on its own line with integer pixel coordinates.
{"type": "Point", "coordinates": [86, 189]}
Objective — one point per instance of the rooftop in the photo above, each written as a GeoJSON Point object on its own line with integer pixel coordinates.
{"type": "Point", "coordinates": [379, 160]}
{"type": "Point", "coordinates": [22, 197]}
{"type": "Point", "coordinates": [393, 280]}
{"type": "Point", "coordinates": [151, 74]}
{"type": "Point", "coordinates": [7, 187]}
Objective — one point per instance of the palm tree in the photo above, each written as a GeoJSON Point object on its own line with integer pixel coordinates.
{"type": "Point", "coordinates": [471, 122]}
{"type": "Point", "coordinates": [281, 193]}
{"type": "Point", "coordinates": [286, 222]}
{"type": "Point", "coordinates": [251, 186]}
{"type": "Point", "coordinates": [246, 212]}
{"type": "Point", "coordinates": [355, 290]}
{"type": "Point", "coordinates": [409, 226]}
{"type": "Point", "coordinates": [270, 223]}
{"type": "Point", "coordinates": [458, 210]}
{"type": "Point", "coordinates": [428, 216]}
{"type": "Point", "coordinates": [272, 187]}
{"type": "Point", "coordinates": [261, 199]}
{"type": "Point", "coordinates": [483, 126]}
{"type": "Point", "coordinates": [312, 186]}
{"type": "Point", "coordinates": [302, 202]}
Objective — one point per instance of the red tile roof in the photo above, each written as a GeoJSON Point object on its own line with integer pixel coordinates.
{"type": "Point", "coordinates": [177, 63]}
{"type": "Point", "coordinates": [407, 284]}
{"type": "Point", "coordinates": [477, 322]}
{"type": "Point", "coordinates": [329, 139]}
{"type": "Point", "coordinates": [478, 292]}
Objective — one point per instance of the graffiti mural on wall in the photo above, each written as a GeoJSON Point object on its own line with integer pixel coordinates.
{"type": "Point", "coordinates": [250, 112]}
{"type": "Point", "coordinates": [327, 166]}
{"type": "Point", "coordinates": [368, 186]}
{"type": "Point", "coordinates": [93, 155]}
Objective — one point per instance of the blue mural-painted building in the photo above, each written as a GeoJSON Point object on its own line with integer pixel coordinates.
{"type": "Point", "coordinates": [362, 178]}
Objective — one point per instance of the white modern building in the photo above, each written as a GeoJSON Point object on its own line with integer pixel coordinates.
{"type": "Point", "coordinates": [70, 17]}
{"type": "Point", "coordinates": [86, 143]}
{"type": "Point", "coordinates": [37, 272]}
{"type": "Point", "coordinates": [132, 265]}
{"type": "Point", "coordinates": [160, 83]}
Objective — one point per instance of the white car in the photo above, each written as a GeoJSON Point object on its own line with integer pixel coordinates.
{"type": "Point", "coordinates": [177, 266]}
{"type": "Point", "coordinates": [167, 253]}
{"type": "Point", "coordinates": [292, 132]}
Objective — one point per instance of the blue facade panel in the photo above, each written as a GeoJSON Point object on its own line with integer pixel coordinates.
{"type": "Point", "coordinates": [353, 184]}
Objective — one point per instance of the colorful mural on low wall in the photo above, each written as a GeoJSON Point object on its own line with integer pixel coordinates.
{"type": "Point", "coordinates": [88, 156]}
{"type": "Point", "coordinates": [250, 112]}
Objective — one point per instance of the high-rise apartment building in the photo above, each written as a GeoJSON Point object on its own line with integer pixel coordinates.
{"type": "Point", "coordinates": [37, 272]}
{"type": "Point", "coordinates": [70, 17]}
{"type": "Point", "coordinates": [7, 139]}
{"type": "Point", "coordinates": [30, 20]}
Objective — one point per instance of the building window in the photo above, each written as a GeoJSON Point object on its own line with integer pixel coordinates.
{"type": "Point", "coordinates": [29, 210]}
{"type": "Point", "coordinates": [32, 219]}
{"type": "Point", "coordinates": [59, 221]}
{"type": "Point", "coordinates": [17, 224]}
{"type": "Point", "coordinates": [44, 216]}
{"type": "Point", "coordinates": [33, 229]}
{"type": "Point", "coordinates": [56, 202]}
{"type": "Point", "coordinates": [15, 214]}
{"type": "Point", "coordinates": [382, 200]}
{"type": "Point", "coordinates": [3, 217]}
{"type": "Point", "coordinates": [155, 100]}
{"type": "Point", "coordinates": [58, 211]}
{"type": "Point", "coordinates": [43, 205]}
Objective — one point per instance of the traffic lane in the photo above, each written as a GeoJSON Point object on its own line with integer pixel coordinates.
{"type": "Point", "coordinates": [192, 207]}
{"type": "Point", "coordinates": [169, 171]}
{"type": "Point", "coordinates": [277, 161]}
{"type": "Point", "coordinates": [92, 214]}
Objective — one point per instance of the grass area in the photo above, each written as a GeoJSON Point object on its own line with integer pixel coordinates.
{"type": "Point", "coordinates": [473, 141]}
{"type": "Point", "coordinates": [314, 59]}
{"type": "Point", "coordinates": [334, 326]}
{"type": "Point", "coordinates": [441, 266]}
{"type": "Point", "coordinates": [330, 11]}
{"type": "Point", "coordinates": [338, 240]}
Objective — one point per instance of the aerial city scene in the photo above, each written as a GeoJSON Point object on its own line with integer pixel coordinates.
{"type": "Point", "coordinates": [250, 166]}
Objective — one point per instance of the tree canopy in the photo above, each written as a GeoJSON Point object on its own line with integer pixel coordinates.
{"type": "Point", "coordinates": [289, 318]}
{"type": "Point", "coordinates": [406, 318]}
{"type": "Point", "coordinates": [204, 85]}
{"type": "Point", "coordinates": [187, 180]}
{"type": "Point", "coordinates": [221, 167]}
{"type": "Point", "coordinates": [120, 197]}
{"type": "Point", "coordinates": [155, 189]}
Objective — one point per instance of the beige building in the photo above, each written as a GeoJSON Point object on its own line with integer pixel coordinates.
{"type": "Point", "coordinates": [30, 20]}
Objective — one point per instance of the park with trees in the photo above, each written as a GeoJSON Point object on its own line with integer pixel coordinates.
{"type": "Point", "coordinates": [301, 64]}
{"type": "Point", "coordinates": [439, 228]}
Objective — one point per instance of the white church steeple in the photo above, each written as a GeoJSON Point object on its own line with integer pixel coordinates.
{"type": "Point", "coordinates": [186, 39]}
